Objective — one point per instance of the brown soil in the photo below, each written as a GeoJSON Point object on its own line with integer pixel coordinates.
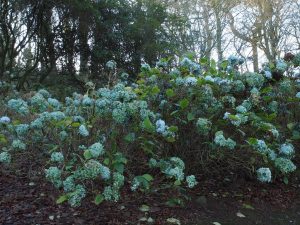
{"type": "Point", "coordinates": [26, 198]}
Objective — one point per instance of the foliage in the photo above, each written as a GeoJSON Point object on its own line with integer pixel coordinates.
{"type": "Point", "coordinates": [172, 120]}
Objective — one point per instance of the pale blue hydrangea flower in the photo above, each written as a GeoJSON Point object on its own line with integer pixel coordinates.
{"type": "Point", "coordinates": [268, 74]}
{"type": "Point", "coordinates": [53, 174]}
{"type": "Point", "coordinates": [173, 168]}
{"type": "Point", "coordinates": [238, 86]}
{"type": "Point", "coordinates": [209, 78]}
{"type": "Point", "coordinates": [179, 81]}
{"type": "Point", "coordinates": [135, 184]}
{"type": "Point", "coordinates": [298, 95]}
{"type": "Point", "coordinates": [261, 146]}
{"type": "Point", "coordinates": [76, 196]}
{"type": "Point", "coordinates": [105, 172]}
{"type": "Point", "coordinates": [54, 103]}
{"type": "Point", "coordinates": [19, 106]}
{"type": "Point", "coordinates": [255, 79]}
{"type": "Point", "coordinates": [271, 154]}
{"type": "Point", "coordinates": [96, 150]}
{"type": "Point", "coordinates": [223, 142]}
{"type": "Point", "coordinates": [69, 184]}
{"type": "Point", "coordinates": [18, 144]}
{"type": "Point", "coordinates": [175, 73]}
{"type": "Point", "coordinates": [57, 157]}
{"type": "Point", "coordinates": [203, 125]}
{"type": "Point", "coordinates": [191, 81]}
{"type": "Point", "coordinates": [44, 93]}
{"type": "Point", "coordinates": [22, 129]}
{"type": "Point", "coordinates": [83, 131]}
{"type": "Point", "coordinates": [63, 135]}
{"type": "Point", "coordinates": [160, 126]}
{"type": "Point", "coordinates": [111, 65]}
{"type": "Point", "coordinates": [39, 102]}
{"type": "Point", "coordinates": [118, 179]}
{"type": "Point", "coordinates": [273, 106]}
{"type": "Point", "coordinates": [162, 64]}
{"type": "Point", "coordinates": [285, 165]}
{"type": "Point", "coordinates": [91, 170]}
{"type": "Point", "coordinates": [264, 175]}
{"type": "Point", "coordinates": [37, 123]}
{"type": "Point", "coordinates": [5, 157]}
{"type": "Point", "coordinates": [153, 163]}
{"type": "Point", "coordinates": [87, 101]}
{"type": "Point", "coordinates": [241, 109]}
{"type": "Point", "coordinates": [191, 181]}
{"type": "Point", "coordinates": [119, 113]}
{"type": "Point", "coordinates": [145, 67]}
{"type": "Point", "coordinates": [186, 62]}
{"type": "Point", "coordinates": [275, 133]}
{"type": "Point", "coordinates": [111, 194]}
{"type": "Point", "coordinates": [287, 150]}
{"type": "Point", "coordinates": [4, 120]}
{"type": "Point", "coordinates": [226, 115]}
{"type": "Point", "coordinates": [57, 115]}
{"type": "Point", "coordinates": [247, 104]}
{"type": "Point", "coordinates": [281, 66]}
{"type": "Point", "coordinates": [285, 86]}
{"type": "Point", "coordinates": [79, 119]}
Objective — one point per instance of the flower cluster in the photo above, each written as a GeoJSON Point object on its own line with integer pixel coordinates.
{"type": "Point", "coordinates": [221, 141]}
{"type": "Point", "coordinates": [264, 175]}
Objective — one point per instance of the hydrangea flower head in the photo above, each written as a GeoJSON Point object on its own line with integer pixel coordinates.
{"type": "Point", "coordinates": [5, 157]}
{"type": "Point", "coordinates": [57, 157]}
{"type": "Point", "coordinates": [287, 150]}
{"type": "Point", "coordinates": [96, 150]}
{"type": "Point", "coordinates": [191, 81]}
{"type": "Point", "coordinates": [160, 126]}
{"type": "Point", "coordinates": [191, 181]}
{"type": "Point", "coordinates": [285, 165]}
{"type": "Point", "coordinates": [83, 131]}
{"type": "Point", "coordinates": [5, 120]}
{"type": "Point", "coordinates": [111, 65]}
{"type": "Point", "coordinates": [264, 175]}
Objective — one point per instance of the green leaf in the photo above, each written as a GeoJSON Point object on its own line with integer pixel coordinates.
{"type": "Point", "coordinates": [87, 154]}
{"type": "Point", "coordinates": [106, 161]}
{"type": "Point", "coordinates": [177, 183]}
{"type": "Point", "coordinates": [144, 208]}
{"type": "Point", "coordinates": [119, 167]}
{"type": "Point", "coordinates": [99, 199]}
{"type": "Point", "coordinates": [155, 90]}
{"type": "Point", "coordinates": [291, 126]}
{"type": "Point", "coordinates": [148, 125]}
{"type": "Point", "coordinates": [62, 199]}
{"type": "Point", "coordinates": [247, 206]}
{"type": "Point", "coordinates": [190, 116]}
{"type": "Point", "coordinates": [184, 103]}
{"type": "Point", "coordinates": [173, 128]}
{"type": "Point", "coordinates": [130, 137]}
{"type": "Point", "coordinates": [170, 93]}
{"type": "Point", "coordinates": [75, 124]}
{"type": "Point", "coordinates": [286, 180]}
{"type": "Point", "coordinates": [148, 177]}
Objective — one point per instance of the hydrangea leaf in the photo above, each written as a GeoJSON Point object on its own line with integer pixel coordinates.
{"type": "Point", "coordinates": [148, 177]}
{"type": "Point", "coordinates": [99, 199]}
{"type": "Point", "coordinates": [62, 199]}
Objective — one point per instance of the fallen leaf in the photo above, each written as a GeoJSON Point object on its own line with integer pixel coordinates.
{"type": "Point", "coordinates": [144, 208]}
{"type": "Point", "coordinates": [247, 206]}
{"type": "Point", "coordinates": [173, 220]}
{"type": "Point", "coordinates": [239, 214]}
